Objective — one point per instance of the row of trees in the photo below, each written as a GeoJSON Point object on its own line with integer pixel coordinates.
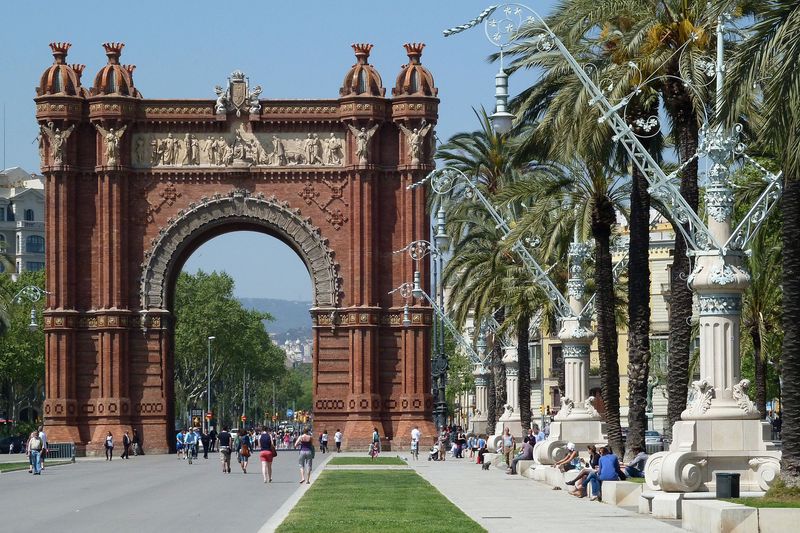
{"type": "Point", "coordinates": [559, 173]}
{"type": "Point", "coordinates": [21, 349]}
{"type": "Point", "coordinates": [245, 364]}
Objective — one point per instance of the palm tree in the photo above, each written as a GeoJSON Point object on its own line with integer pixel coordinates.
{"type": "Point", "coordinates": [554, 105]}
{"type": "Point", "coordinates": [768, 59]}
{"type": "Point", "coordinates": [588, 200]}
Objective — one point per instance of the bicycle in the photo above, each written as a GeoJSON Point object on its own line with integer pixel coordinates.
{"type": "Point", "coordinates": [188, 451]}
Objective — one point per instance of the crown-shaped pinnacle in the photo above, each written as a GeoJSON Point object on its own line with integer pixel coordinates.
{"type": "Point", "coordinates": [113, 51]}
{"type": "Point", "coordinates": [78, 70]}
{"type": "Point", "coordinates": [60, 51]}
{"type": "Point", "coordinates": [414, 51]}
{"type": "Point", "coordinates": [362, 51]}
{"type": "Point", "coordinates": [129, 68]}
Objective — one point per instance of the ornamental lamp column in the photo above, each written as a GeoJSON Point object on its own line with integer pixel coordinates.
{"type": "Point", "coordinates": [482, 377]}
{"type": "Point", "coordinates": [576, 339]}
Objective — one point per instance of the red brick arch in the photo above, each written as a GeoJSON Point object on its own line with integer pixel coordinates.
{"type": "Point", "coordinates": [125, 208]}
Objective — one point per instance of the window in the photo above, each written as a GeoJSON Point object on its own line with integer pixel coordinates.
{"type": "Point", "coordinates": [535, 351]}
{"type": "Point", "coordinates": [34, 244]}
{"type": "Point", "coordinates": [2, 213]}
{"type": "Point", "coordinates": [10, 213]}
{"type": "Point", "coordinates": [34, 266]}
{"type": "Point", "coordinates": [362, 82]}
{"type": "Point", "coordinates": [556, 361]}
{"type": "Point", "coordinates": [29, 215]}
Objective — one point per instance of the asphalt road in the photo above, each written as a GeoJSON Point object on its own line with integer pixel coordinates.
{"type": "Point", "coordinates": [146, 493]}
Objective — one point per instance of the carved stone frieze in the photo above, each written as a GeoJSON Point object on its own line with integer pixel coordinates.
{"type": "Point", "coordinates": [173, 239]}
{"type": "Point", "coordinates": [720, 305]}
{"type": "Point", "coordinates": [239, 148]}
{"type": "Point", "coordinates": [575, 351]}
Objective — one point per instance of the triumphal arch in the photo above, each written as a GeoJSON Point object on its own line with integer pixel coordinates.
{"type": "Point", "coordinates": [134, 185]}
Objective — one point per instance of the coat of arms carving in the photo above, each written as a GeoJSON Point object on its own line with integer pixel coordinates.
{"type": "Point", "coordinates": [237, 96]}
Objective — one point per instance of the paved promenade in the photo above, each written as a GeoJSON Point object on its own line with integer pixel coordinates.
{"type": "Point", "coordinates": [146, 493]}
{"type": "Point", "coordinates": [511, 504]}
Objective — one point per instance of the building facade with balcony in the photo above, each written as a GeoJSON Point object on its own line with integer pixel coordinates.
{"type": "Point", "coordinates": [21, 221]}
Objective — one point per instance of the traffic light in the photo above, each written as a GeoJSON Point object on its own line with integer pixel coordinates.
{"type": "Point", "coordinates": [541, 409]}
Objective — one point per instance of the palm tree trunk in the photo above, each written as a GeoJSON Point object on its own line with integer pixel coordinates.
{"type": "Point", "coordinates": [678, 103]}
{"type": "Point", "coordinates": [499, 374]}
{"type": "Point", "coordinates": [639, 292]}
{"type": "Point", "coordinates": [790, 358]}
{"type": "Point", "coordinates": [491, 412]}
{"type": "Point", "coordinates": [638, 312]}
{"type": "Point", "coordinates": [602, 218]}
{"type": "Point", "coordinates": [523, 355]}
{"type": "Point", "coordinates": [760, 367]}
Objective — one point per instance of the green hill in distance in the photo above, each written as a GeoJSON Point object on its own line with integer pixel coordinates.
{"type": "Point", "coordinates": [292, 319]}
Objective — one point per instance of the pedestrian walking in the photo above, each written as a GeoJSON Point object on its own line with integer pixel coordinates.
{"type": "Point", "coordinates": [268, 453]}
{"type": "Point", "coordinates": [179, 440]}
{"type": "Point", "coordinates": [416, 435]}
{"type": "Point", "coordinates": [35, 447]}
{"type": "Point", "coordinates": [306, 444]}
{"type": "Point", "coordinates": [337, 440]}
{"type": "Point", "coordinates": [509, 445]}
{"type": "Point", "coordinates": [43, 455]}
{"type": "Point", "coordinates": [323, 442]}
{"type": "Point", "coordinates": [137, 445]}
{"type": "Point", "coordinates": [205, 440]}
{"type": "Point", "coordinates": [243, 445]}
{"type": "Point", "coordinates": [126, 446]}
{"type": "Point", "coordinates": [212, 439]}
{"type": "Point", "coordinates": [109, 445]}
{"type": "Point", "coordinates": [375, 445]}
{"type": "Point", "coordinates": [224, 439]}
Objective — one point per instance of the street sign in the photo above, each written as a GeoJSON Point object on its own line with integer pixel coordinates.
{"type": "Point", "coordinates": [196, 412]}
{"type": "Point", "coordinates": [209, 415]}
{"type": "Point", "coordinates": [244, 418]}
{"type": "Point", "coordinates": [289, 413]}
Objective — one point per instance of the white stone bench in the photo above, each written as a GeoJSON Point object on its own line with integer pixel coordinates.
{"type": "Point", "coordinates": [622, 493]}
{"type": "Point", "coordinates": [714, 516]}
{"type": "Point", "coordinates": [524, 468]}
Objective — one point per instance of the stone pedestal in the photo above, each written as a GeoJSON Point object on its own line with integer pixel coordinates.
{"type": "Point", "coordinates": [721, 430]}
{"type": "Point", "coordinates": [478, 421]}
{"type": "Point", "coordinates": [511, 417]}
{"type": "Point", "coordinates": [579, 423]}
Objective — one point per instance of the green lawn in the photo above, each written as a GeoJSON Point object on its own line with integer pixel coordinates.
{"type": "Point", "coordinates": [11, 467]}
{"type": "Point", "coordinates": [387, 501]}
{"type": "Point", "coordinates": [340, 461]}
{"type": "Point", "coordinates": [765, 502]}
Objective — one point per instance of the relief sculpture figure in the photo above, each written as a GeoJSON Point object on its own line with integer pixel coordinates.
{"type": "Point", "coordinates": [363, 137]}
{"type": "Point", "coordinates": [169, 145]}
{"type": "Point", "coordinates": [279, 152]}
{"type": "Point", "coordinates": [333, 150]}
{"type": "Point", "coordinates": [111, 139]}
{"type": "Point", "coordinates": [57, 140]}
{"type": "Point", "coordinates": [416, 141]}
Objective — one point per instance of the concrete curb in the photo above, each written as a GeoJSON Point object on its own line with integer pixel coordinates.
{"type": "Point", "coordinates": [283, 511]}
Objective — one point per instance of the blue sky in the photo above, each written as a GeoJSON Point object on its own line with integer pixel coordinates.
{"type": "Point", "coordinates": [292, 49]}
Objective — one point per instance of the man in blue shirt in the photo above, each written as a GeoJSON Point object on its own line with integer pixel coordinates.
{"type": "Point", "coordinates": [179, 441]}
{"type": "Point", "coordinates": [608, 466]}
{"type": "Point", "coordinates": [190, 442]}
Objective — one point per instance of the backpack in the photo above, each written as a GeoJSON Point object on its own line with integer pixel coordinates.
{"type": "Point", "coordinates": [36, 444]}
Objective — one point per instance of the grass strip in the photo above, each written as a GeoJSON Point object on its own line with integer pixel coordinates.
{"type": "Point", "coordinates": [340, 461]}
{"type": "Point", "coordinates": [12, 467]}
{"type": "Point", "coordinates": [765, 502]}
{"type": "Point", "coordinates": [388, 501]}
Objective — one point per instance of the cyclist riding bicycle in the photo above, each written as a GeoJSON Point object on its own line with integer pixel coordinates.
{"type": "Point", "coordinates": [190, 444]}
